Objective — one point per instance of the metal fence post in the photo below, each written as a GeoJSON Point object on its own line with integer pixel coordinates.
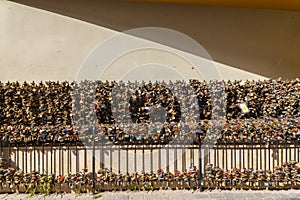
{"type": "Point", "coordinates": [151, 158]}
{"type": "Point", "coordinates": [294, 138]}
{"type": "Point", "coordinates": [85, 157]}
{"type": "Point", "coordinates": [93, 162]}
{"type": "Point", "coordinates": [260, 151]}
{"type": "Point", "coordinates": [252, 152]}
{"type": "Point", "coordinates": [110, 157]}
{"type": "Point", "coordinates": [269, 149]}
{"type": "Point", "coordinates": [200, 163]}
{"type": "Point", "coordinates": [26, 157]}
{"type": "Point", "coordinates": [278, 145]}
{"type": "Point", "coordinates": [217, 148]}
{"type": "Point", "coordinates": [286, 151]}
{"type": "Point", "coordinates": [127, 159]}
{"type": "Point", "coordinates": [119, 158]}
{"type": "Point", "coordinates": [23, 160]}
{"type": "Point", "coordinates": [159, 155]}
{"type": "Point", "coordinates": [167, 160]}
{"type": "Point", "coordinates": [135, 168]}
{"type": "Point", "coordinates": [51, 162]}
{"type": "Point", "coordinates": [243, 153]}
{"type": "Point", "coordinates": [143, 155]}
{"type": "Point", "coordinates": [34, 156]}
{"type": "Point", "coordinates": [17, 153]}
{"type": "Point", "coordinates": [234, 153]}
{"type": "Point", "coordinates": [77, 157]}
{"type": "Point", "coordinates": [69, 159]}
{"type": "Point", "coordinates": [183, 157]}
{"type": "Point", "coordinates": [175, 157]}
{"type": "Point", "coordinates": [43, 154]}
{"type": "Point", "coordinates": [297, 144]}
{"type": "Point", "coordinates": [59, 158]}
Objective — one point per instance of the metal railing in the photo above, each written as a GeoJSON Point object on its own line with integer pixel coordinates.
{"type": "Point", "coordinates": [63, 159]}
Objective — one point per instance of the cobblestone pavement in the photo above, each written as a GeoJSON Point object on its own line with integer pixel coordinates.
{"type": "Point", "coordinates": [166, 195]}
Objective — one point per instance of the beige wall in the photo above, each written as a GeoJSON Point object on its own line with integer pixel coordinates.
{"type": "Point", "coordinates": [40, 45]}
{"type": "Point", "coordinates": [265, 42]}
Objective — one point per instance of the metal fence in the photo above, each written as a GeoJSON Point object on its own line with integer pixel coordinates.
{"type": "Point", "coordinates": [61, 159]}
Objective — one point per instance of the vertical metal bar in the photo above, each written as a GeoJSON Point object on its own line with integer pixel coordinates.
{"type": "Point", "coordinates": [208, 154]}
{"type": "Point", "coordinates": [168, 159]}
{"type": "Point", "coordinates": [23, 160]}
{"type": "Point", "coordinates": [17, 153]}
{"type": "Point", "coordinates": [265, 157]}
{"type": "Point", "coordinates": [286, 151]}
{"type": "Point", "coordinates": [119, 159]}
{"type": "Point", "coordinates": [240, 157]}
{"type": "Point", "coordinates": [298, 151]}
{"type": "Point", "coordinates": [217, 153]}
{"type": "Point", "coordinates": [279, 154]}
{"type": "Point", "coordinates": [295, 150]}
{"type": "Point", "coordinates": [200, 164]}
{"type": "Point", "coordinates": [256, 151]}
{"type": "Point", "coordinates": [63, 158]}
{"type": "Point", "coordinates": [290, 151]}
{"type": "Point", "coordinates": [38, 159]}
{"type": "Point", "coordinates": [279, 146]}
{"type": "Point", "coordinates": [77, 156]}
{"type": "Point", "coordinates": [260, 152]}
{"type": "Point", "coordinates": [151, 158]}
{"type": "Point", "coordinates": [26, 170]}
{"type": "Point", "coordinates": [51, 158]}
{"type": "Point", "coordinates": [55, 158]}
{"type": "Point", "coordinates": [9, 162]}
{"type": "Point", "coordinates": [1, 147]}
{"type": "Point", "coordinates": [59, 156]}
{"type": "Point", "coordinates": [225, 156]}
{"type": "Point", "coordinates": [135, 168]}
{"type": "Point", "coordinates": [215, 157]}
{"type": "Point", "coordinates": [175, 158]}
{"type": "Point", "coordinates": [234, 153]}
{"type": "Point", "coordinates": [183, 157]}
{"type": "Point", "coordinates": [231, 157]}
{"type": "Point", "coordinates": [110, 157]}
{"type": "Point", "coordinates": [93, 162]}
{"type": "Point", "coordinates": [252, 161]}
{"type": "Point", "coordinates": [191, 157]}
{"type": "Point", "coordinates": [252, 152]}
{"type": "Point", "coordinates": [159, 156]}
{"type": "Point", "coordinates": [102, 156]}
{"type": "Point", "coordinates": [127, 159]}
{"type": "Point", "coordinates": [68, 159]}
{"type": "Point", "coordinates": [47, 160]}
{"type": "Point", "coordinates": [43, 154]}
{"type": "Point", "coordinates": [85, 157]}
{"type": "Point", "coordinates": [269, 155]}
{"type": "Point", "coordinates": [34, 157]}
{"type": "Point", "coordinates": [243, 154]}
{"type": "Point", "coordinates": [143, 157]}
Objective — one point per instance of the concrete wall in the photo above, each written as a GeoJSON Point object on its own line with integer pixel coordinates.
{"type": "Point", "coordinates": [39, 45]}
{"type": "Point", "coordinates": [265, 42]}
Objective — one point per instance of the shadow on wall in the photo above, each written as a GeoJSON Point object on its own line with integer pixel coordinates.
{"type": "Point", "coordinates": [264, 42]}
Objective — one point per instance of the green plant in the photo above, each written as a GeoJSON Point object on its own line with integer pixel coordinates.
{"type": "Point", "coordinates": [31, 190]}
{"type": "Point", "coordinates": [96, 196]}
{"type": "Point", "coordinates": [45, 189]}
{"type": "Point", "coordinates": [78, 190]}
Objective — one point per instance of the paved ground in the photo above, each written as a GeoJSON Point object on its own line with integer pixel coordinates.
{"type": "Point", "coordinates": [178, 195]}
